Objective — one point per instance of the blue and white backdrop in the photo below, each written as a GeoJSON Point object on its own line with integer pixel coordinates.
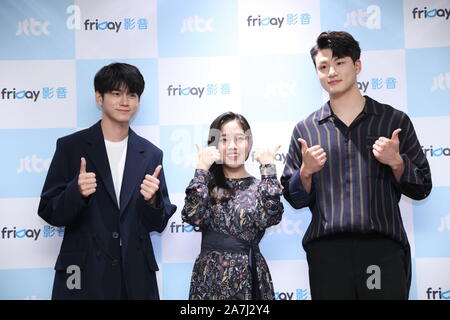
{"type": "Point", "coordinates": [199, 59]}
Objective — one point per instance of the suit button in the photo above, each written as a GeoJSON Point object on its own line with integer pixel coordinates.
{"type": "Point", "coordinates": [115, 235]}
{"type": "Point", "coordinates": [115, 263]}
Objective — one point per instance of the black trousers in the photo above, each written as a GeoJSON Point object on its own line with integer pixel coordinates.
{"type": "Point", "coordinates": [357, 266]}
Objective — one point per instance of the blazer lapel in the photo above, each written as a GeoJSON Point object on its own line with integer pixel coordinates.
{"type": "Point", "coordinates": [96, 153]}
{"type": "Point", "coordinates": [134, 171]}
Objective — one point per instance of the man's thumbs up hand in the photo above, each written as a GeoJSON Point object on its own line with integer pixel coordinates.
{"type": "Point", "coordinates": [87, 182]}
{"type": "Point", "coordinates": [150, 184]}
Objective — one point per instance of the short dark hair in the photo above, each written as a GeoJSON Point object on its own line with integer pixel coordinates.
{"type": "Point", "coordinates": [116, 76]}
{"type": "Point", "coordinates": [341, 43]}
{"type": "Point", "coordinates": [218, 188]}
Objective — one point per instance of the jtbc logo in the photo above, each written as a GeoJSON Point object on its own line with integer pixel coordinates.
{"type": "Point", "coordinates": [33, 164]}
{"type": "Point", "coordinates": [32, 27]}
{"type": "Point", "coordinates": [445, 224]}
{"type": "Point", "coordinates": [280, 89]}
{"type": "Point", "coordinates": [286, 227]}
{"type": "Point", "coordinates": [197, 24]}
{"type": "Point", "coordinates": [369, 18]}
{"type": "Point", "coordinates": [441, 82]}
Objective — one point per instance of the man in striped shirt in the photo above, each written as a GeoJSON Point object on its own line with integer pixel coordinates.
{"type": "Point", "coordinates": [349, 162]}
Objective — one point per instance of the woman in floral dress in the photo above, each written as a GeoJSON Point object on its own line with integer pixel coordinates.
{"type": "Point", "coordinates": [232, 209]}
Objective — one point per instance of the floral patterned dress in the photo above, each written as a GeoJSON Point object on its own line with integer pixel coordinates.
{"type": "Point", "coordinates": [254, 206]}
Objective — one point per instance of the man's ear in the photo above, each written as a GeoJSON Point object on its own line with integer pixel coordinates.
{"type": "Point", "coordinates": [358, 66]}
{"type": "Point", "coordinates": [99, 98]}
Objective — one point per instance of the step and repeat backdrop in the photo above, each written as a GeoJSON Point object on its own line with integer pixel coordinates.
{"type": "Point", "coordinates": [201, 58]}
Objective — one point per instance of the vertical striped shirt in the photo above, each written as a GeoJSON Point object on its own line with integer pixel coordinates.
{"type": "Point", "coordinates": [354, 192]}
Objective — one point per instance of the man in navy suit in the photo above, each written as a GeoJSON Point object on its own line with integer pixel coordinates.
{"type": "Point", "coordinates": [106, 186]}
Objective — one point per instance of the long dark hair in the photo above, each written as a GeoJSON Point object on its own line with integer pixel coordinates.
{"type": "Point", "coordinates": [218, 188]}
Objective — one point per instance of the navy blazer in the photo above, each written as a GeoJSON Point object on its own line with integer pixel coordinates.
{"type": "Point", "coordinates": [99, 237]}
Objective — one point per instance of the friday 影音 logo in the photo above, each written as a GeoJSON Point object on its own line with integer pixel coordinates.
{"type": "Point", "coordinates": [430, 13]}
{"type": "Point", "coordinates": [93, 24]}
{"type": "Point", "coordinates": [438, 294]}
{"type": "Point", "coordinates": [47, 231]}
{"type": "Point", "coordinates": [436, 152]}
{"type": "Point", "coordinates": [378, 83]}
{"type": "Point", "coordinates": [16, 94]}
{"type": "Point", "coordinates": [289, 20]}
{"type": "Point", "coordinates": [210, 89]}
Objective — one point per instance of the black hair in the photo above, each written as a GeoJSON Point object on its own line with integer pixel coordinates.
{"type": "Point", "coordinates": [116, 76]}
{"type": "Point", "coordinates": [218, 188]}
{"type": "Point", "coordinates": [341, 43]}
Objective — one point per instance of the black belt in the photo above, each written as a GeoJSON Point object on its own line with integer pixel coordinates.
{"type": "Point", "coordinates": [218, 241]}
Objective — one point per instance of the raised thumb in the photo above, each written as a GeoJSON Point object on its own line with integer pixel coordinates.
{"type": "Point", "coordinates": [395, 134]}
{"type": "Point", "coordinates": [83, 165]}
{"type": "Point", "coordinates": [303, 144]}
{"type": "Point", "coordinates": [157, 171]}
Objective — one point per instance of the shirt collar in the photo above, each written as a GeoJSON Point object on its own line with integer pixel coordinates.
{"type": "Point", "coordinates": [325, 112]}
{"type": "Point", "coordinates": [370, 107]}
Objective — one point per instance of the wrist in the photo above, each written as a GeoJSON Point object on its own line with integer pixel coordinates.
{"type": "Point", "coordinates": [304, 173]}
{"type": "Point", "coordinates": [397, 163]}
{"type": "Point", "coordinates": [154, 202]}
{"type": "Point", "coordinates": [202, 166]}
